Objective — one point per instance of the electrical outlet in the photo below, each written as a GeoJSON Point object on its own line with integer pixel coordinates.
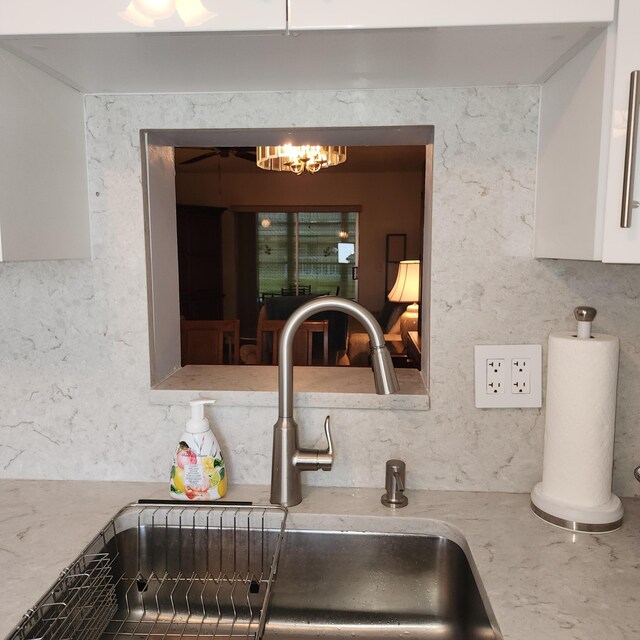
{"type": "Point", "coordinates": [508, 375]}
{"type": "Point", "coordinates": [521, 375]}
{"type": "Point", "coordinates": [495, 376]}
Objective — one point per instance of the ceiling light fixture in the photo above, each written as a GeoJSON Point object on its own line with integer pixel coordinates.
{"type": "Point", "coordinates": [144, 13]}
{"type": "Point", "coordinates": [309, 158]}
{"type": "Point", "coordinates": [155, 9]}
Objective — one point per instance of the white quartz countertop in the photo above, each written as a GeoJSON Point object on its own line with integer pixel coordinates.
{"type": "Point", "coordinates": [335, 387]}
{"type": "Point", "coordinates": [542, 582]}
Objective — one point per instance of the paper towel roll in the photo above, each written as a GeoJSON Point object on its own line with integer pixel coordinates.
{"type": "Point", "coordinates": [582, 378]}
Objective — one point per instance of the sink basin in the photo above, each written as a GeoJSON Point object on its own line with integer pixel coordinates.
{"type": "Point", "coordinates": [176, 570]}
{"type": "Point", "coordinates": [343, 584]}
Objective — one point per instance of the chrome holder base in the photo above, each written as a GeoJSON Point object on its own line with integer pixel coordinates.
{"type": "Point", "coordinates": [578, 527]}
{"type": "Point", "coordinates": [602, 518]}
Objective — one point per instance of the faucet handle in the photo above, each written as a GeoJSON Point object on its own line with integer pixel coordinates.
{"type": "Point", "coordinates": [325, 458]}
{"type": "Point", "coordinates": [313, 459]}
{"type": "Point", "coordinates": [327, 433]}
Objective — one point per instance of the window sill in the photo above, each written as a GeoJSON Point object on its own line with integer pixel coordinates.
{"type": "Point", "coordinates": [319, 387]}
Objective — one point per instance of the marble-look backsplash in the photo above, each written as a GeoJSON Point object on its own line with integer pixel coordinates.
{"type": "Point", "coordinates": [74, 342]}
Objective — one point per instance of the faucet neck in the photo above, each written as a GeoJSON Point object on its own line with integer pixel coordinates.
{"type": "Point", "coordinates": [288, 459]}
{"type": "Point", "coordinates": [383, 369]}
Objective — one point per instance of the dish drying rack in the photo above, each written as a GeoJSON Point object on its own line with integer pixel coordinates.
{"type": "Point", "coordinates": [165, 572]}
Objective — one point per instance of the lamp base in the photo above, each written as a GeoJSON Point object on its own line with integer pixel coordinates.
{"type": "Point", "coordinates": [409, 321]}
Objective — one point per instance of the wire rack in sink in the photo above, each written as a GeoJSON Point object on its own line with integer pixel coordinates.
{"type": "Point", "coordinates": [166, 571]}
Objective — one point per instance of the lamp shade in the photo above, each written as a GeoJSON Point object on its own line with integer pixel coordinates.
{"type": "Point", "coordinates": [407, 285]}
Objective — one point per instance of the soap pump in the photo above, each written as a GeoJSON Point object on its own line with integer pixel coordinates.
{"type": "Point", "coordinates": [198, 471]}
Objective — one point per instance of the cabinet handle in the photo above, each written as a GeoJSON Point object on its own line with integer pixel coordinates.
{"type": "Point", "coordinates": [628, 203]}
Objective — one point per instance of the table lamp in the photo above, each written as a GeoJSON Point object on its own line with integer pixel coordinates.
{"type": "Point", "coordinates": [407, 289]}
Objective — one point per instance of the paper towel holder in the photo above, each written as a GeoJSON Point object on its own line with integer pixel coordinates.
{"type": "Point", "coordinates": [601, 518]}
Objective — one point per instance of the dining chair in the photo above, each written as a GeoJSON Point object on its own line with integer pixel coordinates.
{"type": "Point", "coordinates": [210, 341]}
{"type": "Point", "coordinates": [269, 335]}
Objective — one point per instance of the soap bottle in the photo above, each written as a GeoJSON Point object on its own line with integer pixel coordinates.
{"type": "Point", "coordinates": [198, 471]}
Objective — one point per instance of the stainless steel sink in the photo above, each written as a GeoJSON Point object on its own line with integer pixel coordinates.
{"type": "Point", "coordinates": [338, 585]}
{"type": "Point", "coordinates": [194, 572]}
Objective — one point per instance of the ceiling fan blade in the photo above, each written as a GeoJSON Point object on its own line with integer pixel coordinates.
{"type": "Point", "coordinates": [246, 153]}
{"type": "Point", "coordinates": [202, 156]}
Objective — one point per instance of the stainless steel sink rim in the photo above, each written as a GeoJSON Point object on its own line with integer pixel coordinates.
{"type": "Point", "coordinates": [349, 528]}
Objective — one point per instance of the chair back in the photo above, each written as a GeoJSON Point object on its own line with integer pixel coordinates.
{"type": "Point", "coordinates": [268, 341]}
{"type": "Point", "coordinates": [300, 290]}
{"type": "Point", "coordinates": [210, 341]}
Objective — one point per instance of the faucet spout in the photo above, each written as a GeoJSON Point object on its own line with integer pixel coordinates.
{"type": "Point", "coordinates": [288, 459]}
{"type": "Point", "coordinates": [383, 371]}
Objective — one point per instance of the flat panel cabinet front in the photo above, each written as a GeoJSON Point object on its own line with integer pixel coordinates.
{"type": "Point", "coordinates": [622, 244]}
{"type": "Point", "coordinates": [31, 17]}
{"type": "Point", "coordinates": [47, 17]}
{"type": "Point", "coordinates": [582, 147]}
{"type": "Point", "coordinates": [44, 205]}
{"type": "Point", "coordinates": [382, 14]}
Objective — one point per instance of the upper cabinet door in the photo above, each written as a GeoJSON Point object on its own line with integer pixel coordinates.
{"type": "Point", "coordinates": [31, 17]}
{"type": "Point", "coordinates": [44, 201]}
{"type": "Point", "coordinates": [573, 146]}
{"type": "Point", "coordinates": [622, 244]}
{"type": "Point", "coordinates": [383, 14]}
{"type": "Point", "coordinates": [582, 155]}
{"type": "Point", "coordinates": [326, 44]}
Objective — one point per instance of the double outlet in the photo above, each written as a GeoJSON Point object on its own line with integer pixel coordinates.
{"type": "Point", "coordinates": [508, 376]}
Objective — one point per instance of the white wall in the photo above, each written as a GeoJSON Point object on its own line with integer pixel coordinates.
{"type": "Point", "coordinates": [391, 203]}
{"type": "Point", "coordinates": [74, 346]}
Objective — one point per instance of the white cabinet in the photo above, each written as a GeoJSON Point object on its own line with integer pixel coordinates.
{"type": "Point", "coordinates": [622, 244]}
{"type": "Point", "coordinates": [255, 45]}
{"type": "Point", "coordinates": [581, 159]}
{"type": "Point", "coordinates": [382, 14]}
{"type": "Point", "coordinates": [44, 209]}
{"type": "Point", "coordinates": [30, 17]}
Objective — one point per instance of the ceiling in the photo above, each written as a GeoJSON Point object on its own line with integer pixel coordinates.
{"type": "Point", "coordinates": [369, 159]}
{"type": "Point", "coordinates": [212, 62]}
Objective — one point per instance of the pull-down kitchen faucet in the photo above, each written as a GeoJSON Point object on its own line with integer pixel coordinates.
{"type": "Point", "coordinates": [288, 459]}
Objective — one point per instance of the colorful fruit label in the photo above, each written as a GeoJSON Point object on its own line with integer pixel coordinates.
{"type": "Point", "coordinates": [198, 471]}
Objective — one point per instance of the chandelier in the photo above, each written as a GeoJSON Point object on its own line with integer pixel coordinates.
{"type": "Point", "coordinates": [311, 158]}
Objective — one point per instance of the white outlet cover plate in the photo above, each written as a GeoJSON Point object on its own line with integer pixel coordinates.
{"type": "Point", "coordinates": [508, 352]}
